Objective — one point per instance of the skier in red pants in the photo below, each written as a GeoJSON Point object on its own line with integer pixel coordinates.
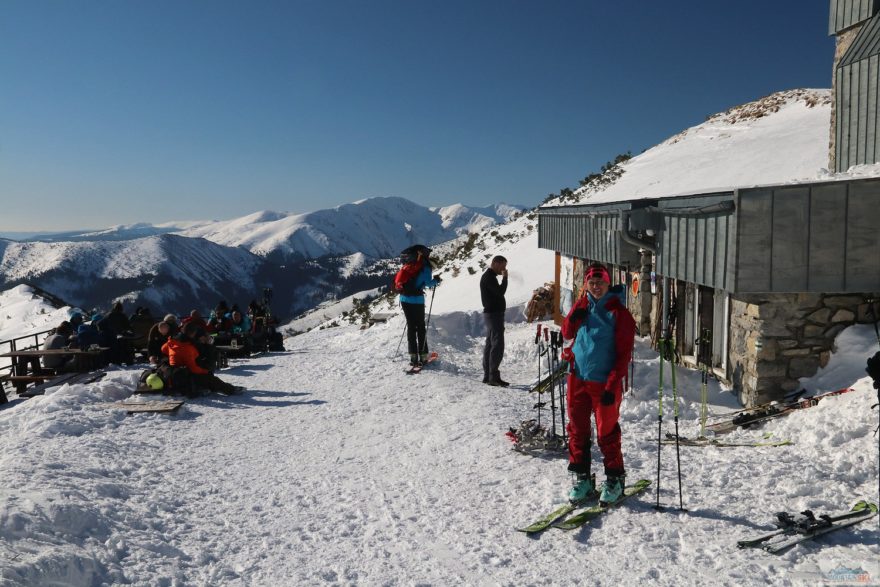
{"type": "Point", "coordinates": [603, 331]}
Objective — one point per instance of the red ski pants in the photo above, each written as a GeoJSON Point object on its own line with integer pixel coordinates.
{"type": "Point", "coordinates": [584, 400]}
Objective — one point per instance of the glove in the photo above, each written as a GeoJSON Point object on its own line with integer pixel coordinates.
{"type": "Point", "coordinates": [567, 354]}
{"type": "Point", "coordinates": [438, 279]}
{"type": "Point", "coordinates": [607, 398]}
{"type": "Point", "coordinates": [578, 315]}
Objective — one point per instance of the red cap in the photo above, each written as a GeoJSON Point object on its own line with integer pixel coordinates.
{"type": "Point", "coordinates": [598, 273]}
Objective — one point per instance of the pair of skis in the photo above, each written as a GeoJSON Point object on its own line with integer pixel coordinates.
{"type": "Point", "coordinates": [416, 369]}
{"type": "Point", "coordinates": [558, 518]}
{"type": "Point", "coordinates": [796, 529]}
{"type": "Point", "coordinates": [704, 441]}
{"type": "Point", "coordinates": [751, 416]}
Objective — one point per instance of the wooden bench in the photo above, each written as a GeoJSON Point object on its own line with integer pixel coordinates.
{"type": "Point", "coordinates": [68, 378]}
{"type": "Point", "coordinates": [20, 382]}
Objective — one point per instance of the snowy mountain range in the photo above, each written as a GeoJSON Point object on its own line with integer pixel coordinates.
{"type": "Point", "coordinates": [307, 258]}
{"type": "Point", "coordinates": [378, 227]}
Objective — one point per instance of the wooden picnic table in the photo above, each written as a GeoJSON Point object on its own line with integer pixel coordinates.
{"type": "Point", "coordinates": [86, 361]}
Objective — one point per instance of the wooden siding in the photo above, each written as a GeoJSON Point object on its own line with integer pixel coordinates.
{"type": "Point", "coordinates": [819, 238]}
{"type": "Point", "coordinates": [857, 99]}
{"type": "Point", "coordinates": [846, 13]}
{"type": "Point", "coordinates": [594, 237]}
{"type": "Point", "coordinates": [696, 248]}
{"type": "Point", "coordinates": [857, 94]}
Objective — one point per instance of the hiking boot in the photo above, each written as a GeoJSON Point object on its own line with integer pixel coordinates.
{"type": "Point", "coordinates": [496, 383]}
{"type": "Point", "coordinates": [583, 486]}
{"type": "Point", "coordinates": [612, 491]}
{"type": "Point", "coordinates": [423, 358]}
{"type": "Point", "coordinates": [496, 377]}
{"type": "Point", "coordinates": [414, 360]}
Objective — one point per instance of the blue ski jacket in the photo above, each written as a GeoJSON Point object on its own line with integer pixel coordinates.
{"type": "Point", "coordinates": [603, 341]}
{"type": "Point", "coordinates": [422, 280]}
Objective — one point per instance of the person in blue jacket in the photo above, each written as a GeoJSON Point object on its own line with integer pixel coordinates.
{"type": "Point", "coordinates": [410, 282]}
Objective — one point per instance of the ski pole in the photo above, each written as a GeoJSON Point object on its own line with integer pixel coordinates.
{"type": "Point", "coordinates": [399, 342]}
{"type": "Point", "coordinates": [430, 307]}
{"type": "Point", "coordinates": [538, 347]}
{"type": "Point", "coordinates": [671, 346]}
{"type": "Point", "coordinates": [704, 400]}
{"type": "Point", "coordinates": [662, 344]}
{"type": "Point", "coordinates": [705, 361]}
{"type": "Point", "coordinates": [556, 344]}
{"type": "Point", "coordinates": [551, 385]}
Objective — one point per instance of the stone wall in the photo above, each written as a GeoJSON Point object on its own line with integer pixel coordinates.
{"type": "Point", "coordinates": [777, 339]}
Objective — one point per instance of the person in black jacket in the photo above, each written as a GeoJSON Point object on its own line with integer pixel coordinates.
{"type": "Point", "coordinates": [494, 305]}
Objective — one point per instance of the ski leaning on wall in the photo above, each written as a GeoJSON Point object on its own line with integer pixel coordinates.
{"type": "Point", "coordinates": [764, 412]}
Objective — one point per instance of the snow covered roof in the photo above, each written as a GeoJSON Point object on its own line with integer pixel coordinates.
{"type": "Point", "coordinates": [779, 139]}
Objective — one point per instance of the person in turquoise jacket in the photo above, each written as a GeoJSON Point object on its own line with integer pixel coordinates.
{"type": "Point", "coordinates": [410, 282]}
{"type": "Point", "coordinates": [603, 331]}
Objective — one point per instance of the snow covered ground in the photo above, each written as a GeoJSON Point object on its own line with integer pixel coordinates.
{"type": "Point", "coordinates": [335, 467]}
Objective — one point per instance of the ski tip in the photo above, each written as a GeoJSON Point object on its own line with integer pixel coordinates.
{"type": "Point", "coordinates": [862, 505]}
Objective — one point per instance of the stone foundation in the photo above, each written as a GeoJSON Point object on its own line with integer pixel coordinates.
{"type": "Point", "coordinates": [777, 339]}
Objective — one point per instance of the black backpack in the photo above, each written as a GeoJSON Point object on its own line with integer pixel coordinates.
{"type": "Point", "coordinates": [410, 254]}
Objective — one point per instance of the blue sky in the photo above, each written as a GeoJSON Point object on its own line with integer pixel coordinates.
{"type": "Point", "coordinates": [117, 112]}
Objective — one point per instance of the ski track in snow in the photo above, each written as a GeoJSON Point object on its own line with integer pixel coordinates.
{"type": "Point", "coordinates": [335, 467]}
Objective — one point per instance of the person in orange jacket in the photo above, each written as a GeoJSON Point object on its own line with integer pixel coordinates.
{"type": "Point", "coordinates": [183, 352]}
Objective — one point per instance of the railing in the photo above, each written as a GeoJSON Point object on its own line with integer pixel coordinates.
{"type": "Point", "coordinates": [19, 344]}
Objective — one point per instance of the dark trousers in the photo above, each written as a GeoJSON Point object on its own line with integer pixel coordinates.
{"type": "Point", "coordinates": [416, 332]}
{"type": "Point", "coordinates": [493, 352]}
{"type": "Point", "coordinates": [211, 382]}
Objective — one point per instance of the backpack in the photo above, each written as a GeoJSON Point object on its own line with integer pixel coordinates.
{"type": "Point", "coordinates": [177, 379]}
{"type": "Point", "coordinates": [407, 256]}
{"type": "Point", "coordinates": [411, 254]}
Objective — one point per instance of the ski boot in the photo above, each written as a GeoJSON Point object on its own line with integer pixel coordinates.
{"type": "Point", "coordinates": [583, 486]}
{"type": "Point", "coordinates": [612, 491]}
